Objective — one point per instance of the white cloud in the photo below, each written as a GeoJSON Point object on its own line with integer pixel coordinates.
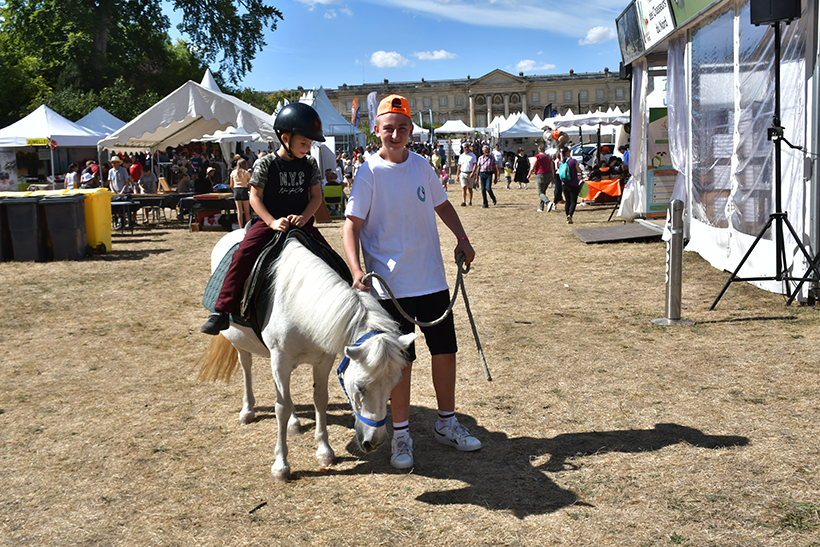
{"type": "Point", "coordinates": [434, 55]}
{"type": "Point", "coordinates": [528, 65]}
{"type": "Point", "coordinates": [387, 59]}
{"type": "Point", "coordinates": [347, 11]}
{"type": "Point", "coordinates": [311, 4]}
{"type": "Point", "coordinates": [330, 14]}
{"type": "Point", "coordinates": [523, 14]}
{"type": "Point", "coordinates": [596, 35]}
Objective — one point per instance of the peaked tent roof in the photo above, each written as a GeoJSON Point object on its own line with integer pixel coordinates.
{"type": "Point", "coordinates": [209, 82]}
{"type": "Point", "coordinates": [332, 122]}
{"type": "Point", "coordinates": [454, 126]}
{"type": "Point", "coordinates": [101, 121]}
{"type": "Point", "coordinates": [45, 123]}
{"type": "Point", "coordinates": [522, 127]}
{"type": "Point", "coordinates": [188, 113]}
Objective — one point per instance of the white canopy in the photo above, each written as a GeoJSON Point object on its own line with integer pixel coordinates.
{"type": "Point", "coordinates": [101, 121]}
{"type": "Point", "coordinates": [190, 112]}
{"type": "Point", "coordinates": [521, 127]}
{"type": "Point", "coordinates": [225, 138]}
{"type": "Point", "coordinates": [333, 123]}
{"type": "Point", "coordinates": [44, 123]}
{"type": "Point", "coordinates": [453, 126]}
{"type": "Point", "coordinates": [420, 131]}
{"type": "Point", "coordinates": [610, 117]}
{"type": "Point", "coordinates": [209, 82]}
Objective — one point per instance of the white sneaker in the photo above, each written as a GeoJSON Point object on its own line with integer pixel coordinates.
{"type": "Point", "coordinates": [550, 206]}
{"type": "Point", "coordinates": [458, 437]}
{"type": "Point", "coordinates": [402, 447]}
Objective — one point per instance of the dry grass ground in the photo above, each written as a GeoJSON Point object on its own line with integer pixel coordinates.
{"type": "Point", "coordinates": [598, 428]}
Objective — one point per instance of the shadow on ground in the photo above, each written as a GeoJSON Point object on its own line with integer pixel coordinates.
{"type": "Point", "coordinates": [501, 476]}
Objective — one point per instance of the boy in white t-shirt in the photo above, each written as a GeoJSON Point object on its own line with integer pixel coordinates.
{"type": "Point", "coordinates": [391, 215]}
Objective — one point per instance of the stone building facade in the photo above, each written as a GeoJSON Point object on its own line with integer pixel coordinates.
{"type": "Point", "coordinates": [477, 101]}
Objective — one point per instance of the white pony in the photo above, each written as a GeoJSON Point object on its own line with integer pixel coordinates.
{"type": "Point", "coordinates": [315, 315]}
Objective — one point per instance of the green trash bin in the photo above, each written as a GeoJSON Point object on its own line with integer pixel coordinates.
{"type": "Point", "coordinates": [29, 235]}
{"type": "Point", "coordinates": [65, 218]}
{"type": "Point", "coordinates": [5, 236]}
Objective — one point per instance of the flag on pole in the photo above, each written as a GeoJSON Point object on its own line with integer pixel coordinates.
{"type": "Point", "coordinates": [371, 109]}
{"type": "Point", "coordinates": [354, 111]}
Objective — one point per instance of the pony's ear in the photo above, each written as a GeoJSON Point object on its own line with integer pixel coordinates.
{"type": "Point", "coordinates": [355, 353]}
{"type": "Point", "coordinates": [406, 339]}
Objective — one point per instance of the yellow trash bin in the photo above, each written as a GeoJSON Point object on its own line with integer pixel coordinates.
{"type": "Point", "coordinates": [97, 217]}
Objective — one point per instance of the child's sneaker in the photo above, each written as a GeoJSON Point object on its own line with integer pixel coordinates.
{"type": "Point", "coordinates": [402, 447]}
{"type": "Point", "coordinates": [458, 437]}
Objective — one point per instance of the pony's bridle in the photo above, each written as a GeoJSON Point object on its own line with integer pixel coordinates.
{"type": "Point", "coordinates": [340, 374]}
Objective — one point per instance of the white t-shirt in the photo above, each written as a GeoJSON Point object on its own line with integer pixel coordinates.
{"type": "Point", "coordinates": [399, 236]}
{"type": "Point", "coordinates": [72, 180]}
{"type": "Point", "coordinates": [498, 156]}
{"type": "Point", "coordinates": [466, 162]}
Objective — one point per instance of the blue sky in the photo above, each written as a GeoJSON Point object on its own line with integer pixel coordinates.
{"type": "Point", "coordinates": [331, 42]}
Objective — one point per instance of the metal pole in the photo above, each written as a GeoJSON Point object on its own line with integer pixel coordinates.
{"type": "Point", "coordinates": [674, 267]}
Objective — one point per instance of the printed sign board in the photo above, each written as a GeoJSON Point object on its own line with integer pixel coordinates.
{"type": "Point", "coordinates": [656, 21]}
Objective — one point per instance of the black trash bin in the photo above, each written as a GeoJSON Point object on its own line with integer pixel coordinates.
{"type": "Point", "coordinates": [65, 218]}
{"type": "Point", "coordinates": [29, 235]}
{"type": "Point", "coordinates": [5, 236]}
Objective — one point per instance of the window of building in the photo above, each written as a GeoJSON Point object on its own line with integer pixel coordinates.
{"type": "Point", "coordinates": [459, 101]}
{"type": "Point", "coordinates": [599, 94]}
{"type": "Point", "coordinates": [619, 94]}
{"type": "Point", "coordinates": [442, 101]}
{"type": "Point", "coordinates": [442, 120]}
{"type": "Point", "coordinates": [536, 97]}
{"type": "Point", "coordinates": [567, 96]}
{"type": "Point", "coordinates": [427, 103]}
{"type": "Point", "coordinates": [480, 120]}
{"type": "Point", "coordinates": [551, 96]}
{"type": "Point", "coordinates": [349, 105]}
{"type": "Point", "coordinates": [412, 104]}
{"type": "Point", "coordinates": [582, 96]}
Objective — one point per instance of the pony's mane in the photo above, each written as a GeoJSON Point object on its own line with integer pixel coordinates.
{"type": "Point", "coordinates": [329, 311]}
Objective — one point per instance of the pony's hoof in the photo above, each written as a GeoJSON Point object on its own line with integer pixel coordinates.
{"type": "Point", "coordinates": [325, 460]}
{"type": "Point", "coordinates": [246, 417]}
{"type": "Point", "coordinates": [280, 476]}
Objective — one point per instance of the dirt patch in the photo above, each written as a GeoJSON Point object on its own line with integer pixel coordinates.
{"type": "Point", "coordinates": [598, 428]}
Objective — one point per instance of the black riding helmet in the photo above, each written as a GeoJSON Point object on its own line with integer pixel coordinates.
{"type": "Point", "coordinates": [299, 119]}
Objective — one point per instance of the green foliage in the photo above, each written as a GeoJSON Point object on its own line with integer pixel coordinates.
{"type": "Point", "coordinates": [800, 515]}
{"type": "Point", "coordinates": [71, 53]}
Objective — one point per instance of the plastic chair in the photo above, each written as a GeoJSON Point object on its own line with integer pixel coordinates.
{"type": "Point", "coordinates": [334, 200]}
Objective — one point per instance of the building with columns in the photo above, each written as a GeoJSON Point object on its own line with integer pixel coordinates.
{"type": "Point", "coordinates": [477, 101]}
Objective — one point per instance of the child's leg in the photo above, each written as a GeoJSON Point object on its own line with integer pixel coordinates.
{"type": "Point", "coordinates": [241, 265]}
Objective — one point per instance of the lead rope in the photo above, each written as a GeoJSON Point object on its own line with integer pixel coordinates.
{"type": "Point", "coordinates": [459, 283]}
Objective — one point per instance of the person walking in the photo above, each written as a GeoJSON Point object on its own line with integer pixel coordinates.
{"type": "Point", "coordinates": [570, 181]}
{"type": "Point", "coordinates": [543, 169]}
{"type": "Point", "coordinates": [239, 179]}
{"type": "Point", "coordinates": [522, 169]}
{"type": "Point", "coordinates": [488, 174]}
{"type": "Point", "coordinates": [391, 218]}
{"type": "Point", "coordinates": [466, 166]}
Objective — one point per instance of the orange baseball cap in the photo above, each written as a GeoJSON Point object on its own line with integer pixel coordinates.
{"type": "Point", "coordinates": [394, 104]}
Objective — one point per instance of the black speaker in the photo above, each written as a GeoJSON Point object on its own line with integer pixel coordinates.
{"type": "Point", "coordinates": [765, 12]}
{"type": "Point", "coordinates": [625, 71]}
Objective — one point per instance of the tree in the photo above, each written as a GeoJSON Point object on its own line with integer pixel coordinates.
{"type": "Point", "coordinates": [81, 42]}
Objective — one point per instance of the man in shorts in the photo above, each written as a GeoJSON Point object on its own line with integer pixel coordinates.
{"type": "Point", "coordinates": [465, 173]}
{"type": "Point", "coordinates": [391, 216]}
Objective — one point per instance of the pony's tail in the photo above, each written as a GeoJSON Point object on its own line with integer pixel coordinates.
{"type": "Point", "coordinates": [219, 362]}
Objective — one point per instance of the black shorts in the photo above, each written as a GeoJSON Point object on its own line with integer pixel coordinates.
{"type": "Point", "coordinates": [240, 193]}
{"type": "Point", "coordinates": [441, 339]}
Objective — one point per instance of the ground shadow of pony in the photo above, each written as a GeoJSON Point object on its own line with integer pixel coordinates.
{"type": "Point", "coordinates": [501, 476]}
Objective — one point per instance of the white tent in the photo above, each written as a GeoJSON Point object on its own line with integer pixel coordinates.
{"type": "Point", "coordinates": [420, 132]}
{"type": "Point", "coordinates": [333, 124]}
{"type": "Point", "coordinates": [188, 113]}
{"type": "Point", "coordinates": [101, 121]}
{"type": "Point", "coordinates": [453, 126]}
{"type": "Point", "coordinates": [228, 138]}
{"type": "Point", "coordinates": [44, 123]}
{"type": "Point", "coordinates": [209, 82]}
{"type": "Point", "coordinates": [521, 127]}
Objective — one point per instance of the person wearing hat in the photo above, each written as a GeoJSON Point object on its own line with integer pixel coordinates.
{"type": "Point", "coordinates": [119, 179]}
{"type": "Point", "coordinates": [391, 217]}
{"type": "Point", "coordinates": [285, 192]}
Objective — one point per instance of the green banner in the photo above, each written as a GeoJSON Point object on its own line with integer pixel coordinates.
{"type": "Point", "coordinates": [686, 10]}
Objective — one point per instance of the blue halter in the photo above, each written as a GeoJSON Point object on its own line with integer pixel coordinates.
{"type": "Point", "coordinates": [340, 374]}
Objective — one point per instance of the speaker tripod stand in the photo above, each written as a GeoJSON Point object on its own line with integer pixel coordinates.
{"type": "Point", "coordinates": [778, 218]}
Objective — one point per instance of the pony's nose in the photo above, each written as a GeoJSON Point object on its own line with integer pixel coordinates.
{"type": "Point", "coordinates": [367, 446]}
